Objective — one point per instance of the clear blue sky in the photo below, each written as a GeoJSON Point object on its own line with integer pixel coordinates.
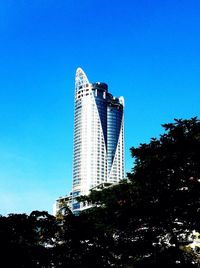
{"type": "Point", "coordinates": [146, 50]}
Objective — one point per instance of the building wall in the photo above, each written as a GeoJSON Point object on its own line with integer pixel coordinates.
{"type": "Point", "coordinates": [98, 155]}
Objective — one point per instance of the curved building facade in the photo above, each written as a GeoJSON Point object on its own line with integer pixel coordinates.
{"type": "Point", "coordinates": [98, 153]}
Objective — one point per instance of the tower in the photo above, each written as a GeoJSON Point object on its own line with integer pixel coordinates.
{"type": "Point", "coordinates": [98, 152]}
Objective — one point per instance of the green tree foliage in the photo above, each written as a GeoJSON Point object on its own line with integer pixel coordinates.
{"type": "Point", "coordinates": [27, 241]}
{"type": "Point", "coordinates": [151, 215]}
{"type": "Point", "coordinates": [167, 173]}
{"type": "Point", "coordinates": [141, 222]}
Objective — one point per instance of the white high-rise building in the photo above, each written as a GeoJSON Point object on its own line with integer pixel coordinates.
{"type": "Point", "coordinates": [98, 155]}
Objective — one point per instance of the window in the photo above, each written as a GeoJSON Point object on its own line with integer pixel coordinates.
{"type": "Point", "coordinates": [76, 206]}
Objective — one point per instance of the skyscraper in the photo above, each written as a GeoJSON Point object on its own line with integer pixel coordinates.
{"type": "Point", "coordinates": [98, 155]}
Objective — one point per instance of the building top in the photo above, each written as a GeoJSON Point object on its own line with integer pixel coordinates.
{"type": "Point", "coordinates": [100, 86]}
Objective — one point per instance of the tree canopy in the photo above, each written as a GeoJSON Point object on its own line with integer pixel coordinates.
{"type": "Point", "coordinates": [144, 220]}
{"type": "Point", "coordinates": [152, 214]}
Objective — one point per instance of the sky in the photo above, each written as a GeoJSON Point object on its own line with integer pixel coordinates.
{"type": "Point", "coordinates": [145, 50]}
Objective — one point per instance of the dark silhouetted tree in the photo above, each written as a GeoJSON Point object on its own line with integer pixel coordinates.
{"type": "Point", "coordinates": [27, 241]}
{"type": "Point", "coordinates": [141, 222]}
{"type": "Point", "coordinates": [151, 215]}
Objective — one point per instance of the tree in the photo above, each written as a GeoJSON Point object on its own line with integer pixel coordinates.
{"type": "Point", "coordinates": [139, 222]}
{"type": "Point", "coordinates": [167, 172]}
{"type": "Point", "coordinates": [27, 241]}
{"type": "Point", "coordinates": [151, 215]}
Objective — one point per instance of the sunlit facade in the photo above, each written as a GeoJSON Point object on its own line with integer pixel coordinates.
{"type": "Point", "coordinates": [98, 155]}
